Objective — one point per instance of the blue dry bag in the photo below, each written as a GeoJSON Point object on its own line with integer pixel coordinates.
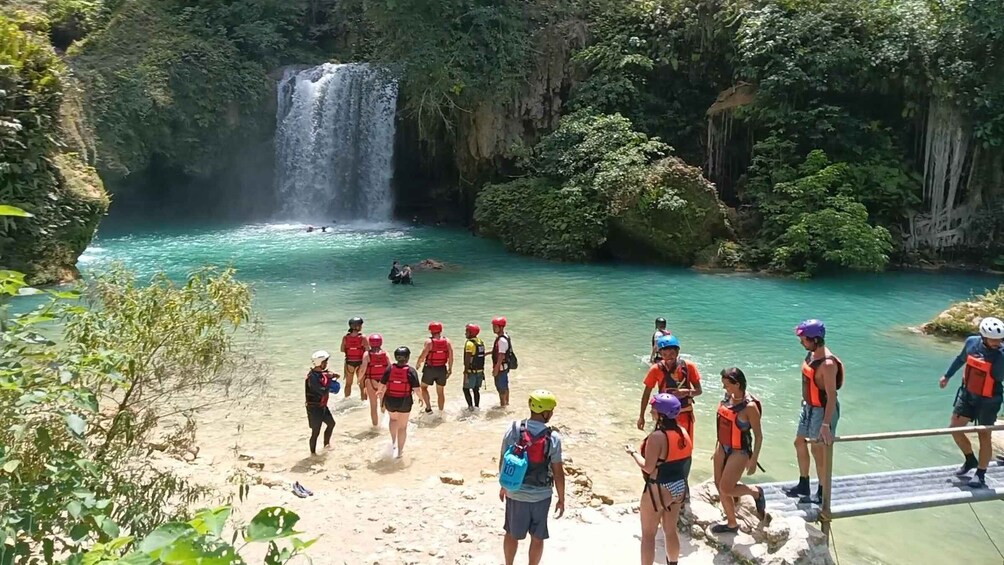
{"type": "Point", "coordinates": [334, 386]}
{"type": "Point", "coordinates": [514, 466]}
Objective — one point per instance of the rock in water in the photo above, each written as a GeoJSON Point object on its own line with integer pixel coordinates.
{"type": "Point", "coordinates": [451, 478]}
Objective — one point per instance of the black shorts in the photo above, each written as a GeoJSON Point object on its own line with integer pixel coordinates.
{"type": "Point", "coordinates": [978, 409]}
{"type": "Point", "coordinates": [318, 415]}
{"type": "Point", "coordinates": [353, 363]}
{"type": "Point", "coordinates": [435, 375]}
{"type": "Point", "coordinates": [398, 404]}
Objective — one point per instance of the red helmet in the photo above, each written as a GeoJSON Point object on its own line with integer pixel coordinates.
{"type": "Point", "coordinates": [436, 327]}
{"type": "Point", "coordinates": [473, 329]}
{"type": "Point", "coordinates": [499, 321]}
{"type": "Point", "coordinates": [376, 340]}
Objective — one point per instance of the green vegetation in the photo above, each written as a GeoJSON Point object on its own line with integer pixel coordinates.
{"type": "Point", "coordinates": [963, 319]}
{"type": "Point", "coordinates": [78, 421]}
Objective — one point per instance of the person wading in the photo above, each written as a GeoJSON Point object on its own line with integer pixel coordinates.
{"type": "Point", "coordinates": [740, 438]}
{"type": "Point", "coordinates": [396, 388]}
{"type": "Point", "coordinates": [675, 376]}
{"type": "Point", "coordinates": [665, 460]}
{"type": "Point", "coordinates": [527, 509]}
{"type": "Point", "coordinates": [436, 361]}
{"type": "Point", "coordinates": [501, 350]}
{"type": "Point", "coordinates": [354, 346]}
{"type": "Point", "coordinates": [375, 364]}
{"type": "Point", "coordinates": [474, 366]}
{"type": "Point", "coordinates": [822, 377]}
{"type": "Point", "coordinates": [979, 398]}
{"type": "Point", "coordinates": [316, 386]}
{"type": "Point", "coordinates": [660, 331]}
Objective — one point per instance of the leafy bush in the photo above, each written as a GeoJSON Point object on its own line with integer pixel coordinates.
{"type": "Point", "coordinates": [77, 421]}
{"type": "Point", "coordinates": [963, 318]}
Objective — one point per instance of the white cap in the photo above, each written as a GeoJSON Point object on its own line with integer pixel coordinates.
{"type": "Point", "coordinates": [319, 357]}
{"type": "Point", "coordinates": [992, 328]}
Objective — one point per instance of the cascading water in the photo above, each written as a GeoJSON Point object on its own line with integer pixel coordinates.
{"type": "Point", "coordinates": [334, 143]}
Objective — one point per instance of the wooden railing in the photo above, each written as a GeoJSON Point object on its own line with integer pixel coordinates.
{"type": "Point", "coordinates": [827, 480]}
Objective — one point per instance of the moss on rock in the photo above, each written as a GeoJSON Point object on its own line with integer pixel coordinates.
{"type": "Point", "coordinates": [963, 318]}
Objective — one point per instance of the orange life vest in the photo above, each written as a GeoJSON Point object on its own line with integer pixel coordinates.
{"type": "Point", "coordinates": [676, 465]}
{"type": "Point", "coordinates": [438, 353]}
{"type": "Point", "coordinates": [977, 378]}
{"type": "Point", "coordinates": [729, 433]}
{"type": "Point", "coordinates": [377, 365]}
{"type": "Point", "coordinates": [813, 394]}
{"type": "Point", "coordinates": [354, 347]}
{"type": "Point", "coordinates": [398, 383]}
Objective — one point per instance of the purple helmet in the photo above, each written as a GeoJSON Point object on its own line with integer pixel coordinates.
{"type": "Point", "coordinates": [811, 329]}
{"type": "Point", "coordinates": [666, 404]}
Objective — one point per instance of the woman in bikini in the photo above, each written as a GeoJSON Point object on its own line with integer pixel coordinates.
{"type": "Point", "coordinates": [739, 440]}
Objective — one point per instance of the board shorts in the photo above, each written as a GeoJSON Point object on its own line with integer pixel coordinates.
{"type": "Point", "coordinates": [435, 375]}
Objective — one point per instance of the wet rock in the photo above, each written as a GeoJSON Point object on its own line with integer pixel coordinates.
{"type": "Point", "coordinates": [451, 478]}
{"type": "Point", "coordinates": [244, 457]}
{"type": "Point", "coordinates": [256, 466]}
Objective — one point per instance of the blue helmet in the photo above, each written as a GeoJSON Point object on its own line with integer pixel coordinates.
{"type": "Point", "coordinates": [667, 341]}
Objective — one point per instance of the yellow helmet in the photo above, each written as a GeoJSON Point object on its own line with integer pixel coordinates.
{"type": "Point", "coordinates": [542, 401]}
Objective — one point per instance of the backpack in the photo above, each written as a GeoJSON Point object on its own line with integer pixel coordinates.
{"type": "Point", "coordinates": [528, 461]}
{"type": "Point", "coordinates": [511, 361]}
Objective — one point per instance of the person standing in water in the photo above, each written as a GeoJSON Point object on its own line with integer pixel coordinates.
{"type": "Point", "coordinates": [396, 388]}
{"type": "Point", "coordinates": [675, 376]}
{"type": "Point", "coordinates": [375, 364]}
{"type": "Point", "coordinates": [354, 346]}
{"type": "Point", "coordinates": [500, 359]}
{"type": "Point", "coordinates": [474, 366]}
{"type": "Point", "coordinates": [660, 330]}
{"type": "Point", "coordinates": [822, 377]}
{"type": "Point", "coordinates": [436, 361]}
{"type": "Point", "coordinates": [979, 397]}
{"type": "Point", "coordinates": [740, 438]}
{"type": "Point", "coordinates": [527, 509]}
{"type": "Point", "coordinates": [316, 386]}
{"type": "Point", "coordinates": [395, 273]}
{"type": "Point", "coordinates": [665, 460]}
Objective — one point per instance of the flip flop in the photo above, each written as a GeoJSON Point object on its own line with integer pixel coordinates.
{"type": "Point", "coordinates": [298, 492]}
{"type": "Point", "coordinates": [305, 490]}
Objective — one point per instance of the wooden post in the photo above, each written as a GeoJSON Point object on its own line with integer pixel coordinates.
{"type": "Point", "coordinates": [826, 482]}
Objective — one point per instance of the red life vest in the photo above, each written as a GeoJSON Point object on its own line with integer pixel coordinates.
{"type": "Point", "coordinates": [438, 353]}
{"type": "Point", "coordinates": [354, 346]}
{"type": "Point", "coordinates": [377, 365]}
{"type": "Point", "coordinates": [314, 400]}
{"type": "Point", "coordinates": [398, 384]}
{"type": "Point", "coordinates": [729, 432]}
{"type": "Point", "coordinates": [538, 456]}
{"type": "Point", "coordinates": [679, 378]}
{"type": "Point", "coordinates": [813, 394]}
{"type": "Point", "coordinates": [977, 378]}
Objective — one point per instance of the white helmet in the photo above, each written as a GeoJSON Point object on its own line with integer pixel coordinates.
{"type": "Point", "coordinates": [992, 328]}
{"type": "Point", "coordinates": [321, 356]}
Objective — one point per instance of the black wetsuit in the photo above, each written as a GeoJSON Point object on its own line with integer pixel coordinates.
{"type": "Point", "coordinates": [316, 391]}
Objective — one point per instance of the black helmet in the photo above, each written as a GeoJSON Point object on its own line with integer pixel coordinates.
{"type": "Point", "coordinates": [402, 353]}
{"type": "Point", "coordinates": [660, 322]}
{"type": "Point", "coordinates": [357, 321]}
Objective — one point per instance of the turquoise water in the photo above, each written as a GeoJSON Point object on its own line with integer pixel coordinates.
{"type": "Point", "coordinates": [583, 331]}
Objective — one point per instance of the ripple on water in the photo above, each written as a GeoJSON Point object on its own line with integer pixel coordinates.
{"type": "Point", "coordinates": [583, 331]}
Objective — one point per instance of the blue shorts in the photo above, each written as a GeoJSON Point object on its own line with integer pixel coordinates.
{"type": "Point", "coordinates": [811, 420]}
{"type": "Point", "coordinates": [523, 518]}
{"type": "Point", "coordinates": [502, 381]}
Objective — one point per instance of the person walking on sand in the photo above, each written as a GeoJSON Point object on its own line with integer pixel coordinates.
{"type": "Point", "coordinates": [527, 506]}
{"type": "Point", "coordinates": [474, 366]}
{"type": "Point", "coordinates": [396, 388]}
{"type": "Point", "coordinates": [665, 460]}
{"type": "Point", "coordinates": [822, 377]}
{"type": "Point", "coordinates": [501, 352]}
{"type": "Point", "coordinates": [316, 388]}
{"type": "Point", "coordinates": [675, 376]}
{"type": "Point", "coordinates": [436, 361]}
{"type": "Point", "coordinates": [354, 346]}
{"type": "Point", "coordinates": [375, 364]}
{"type": "Point", "coordinates": [979, 397]}
{"type": "Point", "coordinates": [740, 438]}
{"type": "Point", "coordinates": [660, 331]}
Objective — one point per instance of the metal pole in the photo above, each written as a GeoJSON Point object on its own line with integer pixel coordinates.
{"type": "Point", "coordinates": [921, 433]}
{"type": "Point", "coordinates": [826, 482]}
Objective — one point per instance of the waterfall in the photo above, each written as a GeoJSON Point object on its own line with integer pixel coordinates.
{"type": "Point", "coordinates": [334, 143]}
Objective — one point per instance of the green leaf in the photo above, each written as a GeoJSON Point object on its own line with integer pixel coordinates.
{"type": "Point", "coordinates": [109, 527]}
{"type": "Point", "coordinates": [164, 536]}
{"type": "Point", "coordinates": [211, 521]}
{"type": "Point", "coordinates": [270, 524]}
{"type": "Point", "coordinates": [6, 210]}
{"type": "Point", "coordinates": [74, 508]}
{"type": "Point", "coordinates": [11, 466]}
{"type": "Point", "coordinates": [76, 424]}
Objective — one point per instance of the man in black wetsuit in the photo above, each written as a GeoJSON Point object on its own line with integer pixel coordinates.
{"type": "Point", "coordinates": [395, 273]}
{"type": "Point", "coordinates": [316, 387]}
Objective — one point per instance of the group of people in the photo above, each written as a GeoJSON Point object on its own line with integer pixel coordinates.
{"type": "Point", "coordinates": [399, 274]}
{"type": "Point", "coordinates": [388, 382]}
{"type": "Point", "coordinates": [665, 456]}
